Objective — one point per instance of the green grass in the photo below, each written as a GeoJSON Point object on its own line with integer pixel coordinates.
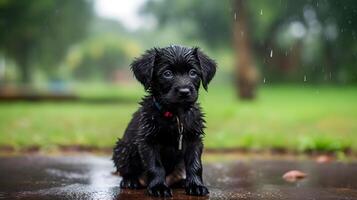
{"type": "Point", "coordinates": [295, 118]}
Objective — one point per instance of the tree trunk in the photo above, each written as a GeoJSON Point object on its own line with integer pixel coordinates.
{"type": "Point", "coordinates": [23, 63]}
{"type": "Point", "coordinates": [246, 71]}
{"type": "Point", "coordinates": [24, 72]}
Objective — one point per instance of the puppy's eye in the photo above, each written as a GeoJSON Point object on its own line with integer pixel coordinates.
{"type": "Point", "coordinates": [168, 74]}
{"type": "Point", "coordinates": [192, 73]}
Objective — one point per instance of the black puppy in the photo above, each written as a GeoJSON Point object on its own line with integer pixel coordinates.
{"type": "Point", "coordinates": [162, 144]}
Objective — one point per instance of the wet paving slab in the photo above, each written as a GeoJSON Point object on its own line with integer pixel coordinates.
{"type": "Point", "coordinates": [91, 177]}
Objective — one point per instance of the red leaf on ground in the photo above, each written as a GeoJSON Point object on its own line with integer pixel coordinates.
{"type": "Point", "coordinates": [294, 175]}
{"type": "Point", "coordinates": [324, 159]}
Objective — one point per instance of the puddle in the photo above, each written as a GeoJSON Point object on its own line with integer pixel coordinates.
{"type": "Point", "coordinates": [90, 177]}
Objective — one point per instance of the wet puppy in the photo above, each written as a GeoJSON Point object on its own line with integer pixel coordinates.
{"type": "Point", "coordinates": [162, 144]}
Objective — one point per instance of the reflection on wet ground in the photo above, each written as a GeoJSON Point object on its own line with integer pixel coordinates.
{"type": "Point", "coordinates": [90, 177]}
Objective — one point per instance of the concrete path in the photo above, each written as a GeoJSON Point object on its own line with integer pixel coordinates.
{"type": "Point", "coordinates": [90, 177]}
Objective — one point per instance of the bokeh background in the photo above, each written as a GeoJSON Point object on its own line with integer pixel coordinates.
{"type": "Point", "coordinates": [286, 79]}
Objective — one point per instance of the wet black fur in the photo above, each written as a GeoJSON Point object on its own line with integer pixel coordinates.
{"type": "Point", "coordinates": [149, 147]}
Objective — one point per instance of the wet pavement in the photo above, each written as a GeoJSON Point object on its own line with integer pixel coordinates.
{"type": "Point", "coordinates": [90, 177]}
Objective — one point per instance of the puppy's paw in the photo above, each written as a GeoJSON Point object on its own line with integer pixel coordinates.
{"type": "Point", "coordinates": [196, 190]}
{"type": "Point", "coordinates": [127, 183]}
{"type": "Point", "coordinates": [160, 190]}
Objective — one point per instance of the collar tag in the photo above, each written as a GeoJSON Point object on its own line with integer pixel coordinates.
{"type": "Point", "coordinates": [180, 130]}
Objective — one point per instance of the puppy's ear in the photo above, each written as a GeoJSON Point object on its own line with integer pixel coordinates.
{"type": "Point", "coordinates": [143, 67]}
{"type": "Point", "coordinates": [208, 67]}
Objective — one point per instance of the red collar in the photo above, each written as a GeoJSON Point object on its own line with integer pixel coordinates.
{"type": "Point", "coordinates": [166, 114]}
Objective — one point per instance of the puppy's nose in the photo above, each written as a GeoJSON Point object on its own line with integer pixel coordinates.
{"type": "Point", "coordinates": [184, 92]}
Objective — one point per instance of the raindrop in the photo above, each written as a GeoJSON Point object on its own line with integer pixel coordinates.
{"type": "Point", "coordinates": [317, 4]}
{"type": "Point", "coordinates": [242, 33]}
{"type": "Point", "coordinates": [305, 79]}
{"type": "Point", "coordinates": [271, 53]}
{"type": "Point", "coordinates": [264, 80]}
{"type": "Point", "coordinates": [261, 11]}
{"type": "Point", "coordinates": [330, 75]}
{"type": "Point", "coordinates": [286, 53]}
{"type": "Point", "coordinates": [235, 16]}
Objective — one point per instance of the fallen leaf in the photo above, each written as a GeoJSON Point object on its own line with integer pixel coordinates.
{"type": "Point", "coordinates": [324, 159]}
{"type": "Point", "coordinates": [294, 175]}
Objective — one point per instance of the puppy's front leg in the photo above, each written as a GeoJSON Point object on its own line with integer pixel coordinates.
{"type": "Point", "coordinates": [194, 184]}
{"type": "Point", "coordinates": [155, 171]}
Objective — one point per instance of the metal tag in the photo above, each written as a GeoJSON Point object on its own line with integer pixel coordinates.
{"type": "Point", "coordinates": [180, 130]}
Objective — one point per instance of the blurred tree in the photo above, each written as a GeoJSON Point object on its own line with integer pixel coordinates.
{"type": "Point", "coordinates": [199, 19]}
{"type": "Point", "coordinates": [39, 32]}
{"type": "Point", "coordinates": [99, 57]}
{"type": "Point", "coordinates": [308, 38]}
{"type": "Point", "coordinates": [247, 73]}
{"type": "Point", "coordinates": [288, 40]}
{"type": "Point", "coordinates": [339, 38]}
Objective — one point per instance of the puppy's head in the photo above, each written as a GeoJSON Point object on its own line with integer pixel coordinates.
{"type": "Point", "coordinates": [173, 74]}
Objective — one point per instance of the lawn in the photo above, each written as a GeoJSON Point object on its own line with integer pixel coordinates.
{"type": "Point", "coordinates": [297, 118]}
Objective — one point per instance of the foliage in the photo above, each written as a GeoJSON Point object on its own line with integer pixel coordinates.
{"type": "Point", "coordinates": [38, 33]}
{"type": "Point", "coordinates": [309, 38]}
{"type": "Point", "coordinates": [100, 56]}
{"type": "Point", "coordinates": [304, 38]}
{"type": "Point", "coordinates": [209, 21]}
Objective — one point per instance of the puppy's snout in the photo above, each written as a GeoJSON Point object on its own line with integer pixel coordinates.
{"type": "Point", "coordinates": [184, 92]}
